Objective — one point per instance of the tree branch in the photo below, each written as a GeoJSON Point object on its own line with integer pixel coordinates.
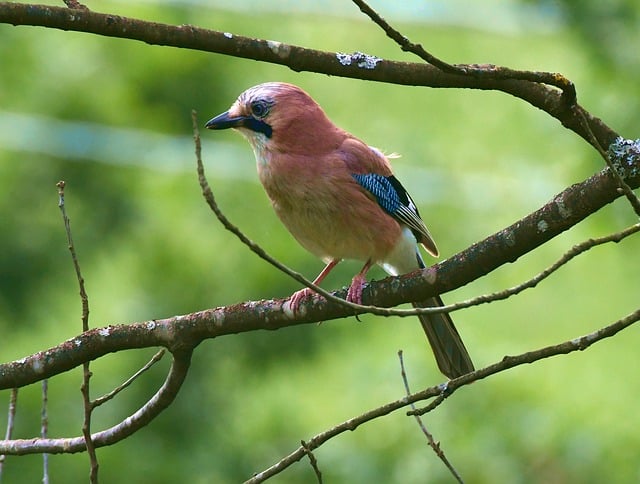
{"type": "Point", "coordinates": [184, 332]}
{"type": "Point", "coordinates": [86, 372]}
{"type": "Point", "coordinates": [13, 400]}
{"type": "Point", "coordinates": [440, 392]}
{"type": "Point", "coordinates": [161, 400]}
{"type": "Point", "coordinates": [356, 65]}
{"type": "Point", "coordinates": [430, 440]}
{"type": "Point", "coordinates": [487, 71]}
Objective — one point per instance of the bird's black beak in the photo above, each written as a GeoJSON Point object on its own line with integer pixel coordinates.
{"type": "Point", "coordinates": [225, 121]}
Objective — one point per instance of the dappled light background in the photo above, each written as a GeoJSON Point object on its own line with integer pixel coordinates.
{"type": "Point", "coordinates": [112, 118]}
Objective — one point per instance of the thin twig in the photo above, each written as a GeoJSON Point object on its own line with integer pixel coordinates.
{"type": "Point", "coordinates": [105, 398]}
{"type": "Point", "coordinates": [531, 283]}
{"type": "Point", "coordinates": [312, 460]}
{"type": "Point", "coordinates": [431, 441]}
{"type": "Point", "coordinates": [572, 253]}
{"type": "Point", "coordinates": [13, 401]}
{"type": "Point", "coordinates": [86, 372]}
{"type": "Point", "coordinates": [44, 428]}
{"type": "Point", "coordinates": [626, 189]}
{"type": "Point", "coordinates": [487, 71]}
{"type": "Point", "coordinates": [438, 392]}
{"type": "Point", "coordinates": [76, 265]}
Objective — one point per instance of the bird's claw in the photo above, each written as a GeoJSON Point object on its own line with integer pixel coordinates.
{"type": "Point", "coordinates": [297, 297]}
{"type": "Point", "coordinates": [354, 294]}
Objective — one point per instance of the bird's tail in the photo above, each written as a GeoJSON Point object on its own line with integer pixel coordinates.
{"type": "Point", "coordinates": [451, 355]}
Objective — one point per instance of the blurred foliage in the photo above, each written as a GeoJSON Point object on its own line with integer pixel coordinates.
{"type": "Point", "coordinates": [608, 30]}
{"type": "Point", "coordinates": [149, 248]}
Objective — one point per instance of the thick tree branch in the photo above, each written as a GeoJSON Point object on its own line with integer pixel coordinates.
{"type": "Point", "coordinates": [623, 163]}
{"type": "Point", "coordinates": [562, 212]}
{"type": "Point", "coordinates": [184, 332]}
{"type": "Point", "coordinates": [356, 65]}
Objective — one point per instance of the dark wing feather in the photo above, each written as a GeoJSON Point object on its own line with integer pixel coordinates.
{"type": "Point", "coordinates": [394, 199]}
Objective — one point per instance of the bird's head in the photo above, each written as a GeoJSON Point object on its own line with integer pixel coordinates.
{"type": "Point", "coordinates": [278, 117]}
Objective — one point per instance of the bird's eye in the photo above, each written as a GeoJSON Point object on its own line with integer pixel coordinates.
{"type": "Point", "coordinates": [259, 108]}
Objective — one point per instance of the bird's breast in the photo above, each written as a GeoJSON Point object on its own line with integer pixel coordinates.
{"type": "Point", "coordinates": [327, 211]}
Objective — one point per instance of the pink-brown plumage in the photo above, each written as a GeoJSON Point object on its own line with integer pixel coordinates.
{"type": "Point", "coordinates": [338, 197]}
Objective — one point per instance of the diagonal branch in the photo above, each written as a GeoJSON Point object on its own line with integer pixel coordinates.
{"type": "Point", "coordinates": [184, 332]}
{"type": "Point", "coordinates": [105, 398]}
{"type": "Point", "coordinates": [359, 308]}
{"type": "Point", "coordinates": [496, 72]}
{"type": "Point", "coordinates": [440, 392]}
{"type": "Point", "coordinates": [546, 98]}
{"type": "Point", "coordinates": [478, 71]}
{"type": "Point", "coordinates": [430, 440]}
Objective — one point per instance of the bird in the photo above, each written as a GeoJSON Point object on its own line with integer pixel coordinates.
{"type": "Point", "coordinates": [339, 199]}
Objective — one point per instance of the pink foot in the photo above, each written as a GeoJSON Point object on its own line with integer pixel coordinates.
{"type": "Point", "coordinates": [354, 294]}
{"type": "Point", "coordinates": [297, 298]}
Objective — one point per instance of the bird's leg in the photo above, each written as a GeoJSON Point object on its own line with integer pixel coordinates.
{"type": "Point", "coordinates": [354, 294]}
{"type": "Point", "coordinates": [297, 297]}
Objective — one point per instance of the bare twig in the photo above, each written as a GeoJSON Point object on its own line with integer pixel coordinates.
{"type": "Point", "coordinates": [439, 391]}
{"type": "Point", "coordinates": [313, 461]}
{"type": "Point", "coordinates": [44, 429]}
{"type": "Point", "coordinates": [487, 71]}
{"type": "Point", "coordinates": [86, 372]}
{"type": "Point", "coordinates": [432, 442]}
{"type": "Point", "coordinates": [575, 251]}
{"type": "Point", "coordinates": [105, 398]}
{"type": "Point", "coordinates": [76, 265]}
{"type": "Point", "coordinates": [13, 400]}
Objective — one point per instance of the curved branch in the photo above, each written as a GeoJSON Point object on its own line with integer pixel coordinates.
{"type": "Point", "coordinates": [357, 65]}
{"type": "Point", "coordinates": [156, 404]}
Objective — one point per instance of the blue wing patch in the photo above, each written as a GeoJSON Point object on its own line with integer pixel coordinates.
{"type": "Point", "coordinates": [394, 199]}
{"type": "Point", "coordinates": [382, 189]}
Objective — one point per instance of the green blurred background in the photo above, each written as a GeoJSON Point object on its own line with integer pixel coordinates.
{"type": "Point", "coordinates": [112, 118]}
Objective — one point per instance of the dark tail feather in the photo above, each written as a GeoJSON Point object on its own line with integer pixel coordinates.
{"type": "Point", "coordinates": [451, 355]}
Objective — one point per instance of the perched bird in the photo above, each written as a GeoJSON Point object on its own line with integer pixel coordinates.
{"type": "Point", "coordinates": [339, 198]}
